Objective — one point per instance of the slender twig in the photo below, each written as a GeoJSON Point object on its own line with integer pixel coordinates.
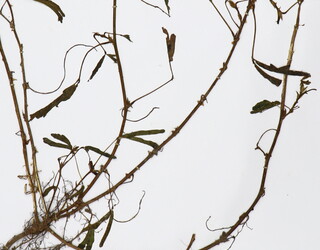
{"type": "Point", "coordinates": [193, 238]}
{"type": "Point", "coordinates": [225, 236]}
{"type": "Point", "coordinates": [64, 72]}
{"type": "Point", "coordinates": [24, 140]}
{"type": "Point", "coordinates": [85, 56]}
{"type": "Point", "coordinates": [63, 240]}
{"type": "Point", "coordinates": [157, 88]}
{"type": "Point", "coordinates": [126, 104]}
{"type": "Point", "coordinates": [35, 170]}
{"type": "Point", "coordinates": [144, 117]}
{"type": "Point", "coordinates": [229, 12]}
{"type": "Point", "coordinates": [222, 17]}
{"type": "Point", "coordinates": [136, 214]}
{"type": "Point", "coordinates": [155, 6]}
{"type": "Point", "coordinates": [68, 211]}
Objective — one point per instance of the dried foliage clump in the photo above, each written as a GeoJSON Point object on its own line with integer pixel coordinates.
{"type": "Point", "coordinates": [65, 200]}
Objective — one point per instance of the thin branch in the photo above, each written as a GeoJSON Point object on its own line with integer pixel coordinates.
{"type": "Point", "coordinates": [155, 6]}
{"type": "Point", "coordinates": [224, 237]}
{"type": "Point", "coordinates": [226, 5]}
{"type": "Point", "coordinates": [223, 19]}
{"type": "Point", "coordinates": [24, 140]}
{"type": "Point", "coordinates": [126, 102]}
{"type": "Point", "coordinates": [35, 170]}
{"type": "Point", "coordinates": [144, 117]}
{"type": "Point", "coordinates": [157, 88]}
{"type": "Point", "coordinates": [136, 214]}
{"type": "Point", "coordinates": [63, 240]}
{"type": "Point", "coordinates": [64, 72]}
{"type": "Point", "coordinates": [193, 238]}
{"type": "Point", "coordinates": [73, 209]}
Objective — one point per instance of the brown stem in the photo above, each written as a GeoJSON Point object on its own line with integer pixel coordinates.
{"type": "Point", "coordinates": [126, 104]}
{"type": "Point", "coordinates": [24, 140]}
{"type": "Point", "coordinates": [225, 236]}
{"type": "Point", "coordinates": [67, 212]}
{"type": "Point", "coordinates": [35, 175]}
{"type": "Point", "coordinates": [63, 240]}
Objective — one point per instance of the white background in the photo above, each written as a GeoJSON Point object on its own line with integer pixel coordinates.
{"type": "Point", "coordinates": [211, 167]}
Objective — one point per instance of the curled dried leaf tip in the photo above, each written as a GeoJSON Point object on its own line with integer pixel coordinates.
{"type": "Point", "coordinates": [171, 41]}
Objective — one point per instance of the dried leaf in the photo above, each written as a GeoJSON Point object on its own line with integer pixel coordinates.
{"type": "Point", "coordinates": [127, 37]}
{"type": "Point", "coordinates": [167, 5]}
{"type": "Point", "coordinates": [279, 12]}
{"type": "Point", "coordinates": [66, 94]}
{"type": "Point", "coordinates": [23, 177]}
{"type": "Point", "coordinates": [55, 7]}
{"type": "Point", "coordinates": [144, 132]}
{"type": "Point", "coordinates": [282, 70]}
{"type": "Point", "coordinates": [98, 151]}
{"type": "Point", "coordinates": [91, 167]}
{"type": "Point", "coordinates": [98, 223]}
{"type": "Point", "coordinates": [112, 57]}
{"type": "Point", "coordinates": [263, 105]}
{"type": "Point", "coordinates": [232, 4]}
{"type": "Point", "coordinates": [171, 46]}
{"type": "Point", "coordinates": [272, 79]}
{"type": "Point", "coordinates": [55, 144]}
{"type": "Point", "coordinates": [171, 42]}
{"type": "Point", "coordinates": [106, 233]}
{"type": "Point", "coordinates": [47, 190]}
{"type": "Point", "coordinates": [87, 241]}
{"type": "Point", "coordinates": [164, 30]}
{"type": "Point", "coordinates": [149, 143]}
{"type": "Point", "coordinates": [97, 67]}
{"type": "Point", "coordinates": [304, 81]}
{"type": "Point", "coordinates": [62, 138]}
